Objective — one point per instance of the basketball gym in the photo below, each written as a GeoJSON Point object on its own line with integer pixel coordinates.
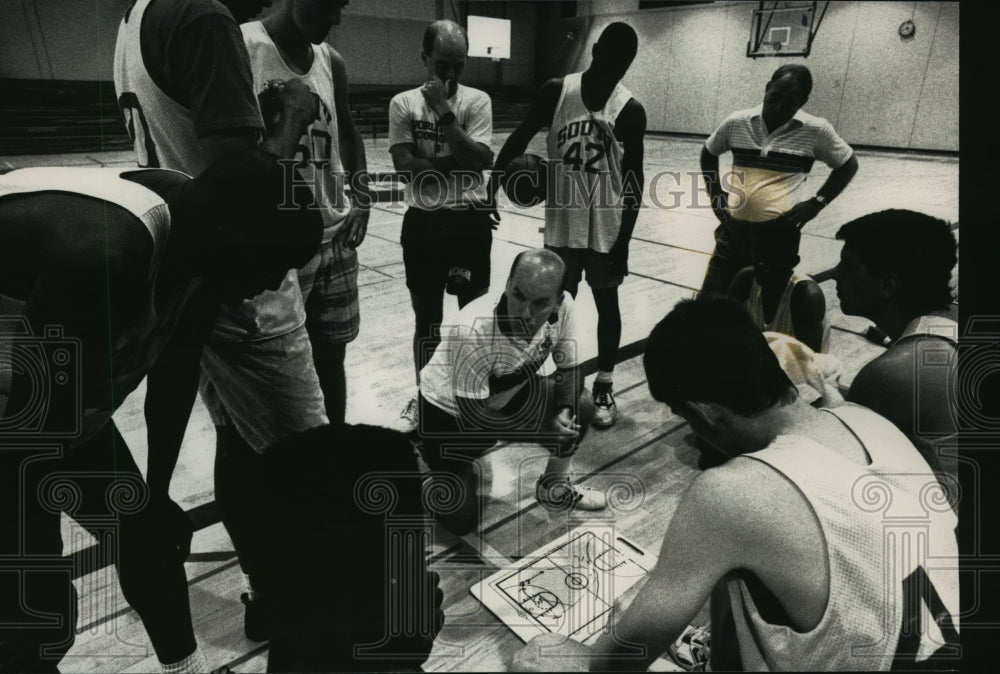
{"type": "Point", "coordinates": [885, 76]}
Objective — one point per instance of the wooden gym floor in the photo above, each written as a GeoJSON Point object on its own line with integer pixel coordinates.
{"type": "Point", "coordinates": [649, 450]}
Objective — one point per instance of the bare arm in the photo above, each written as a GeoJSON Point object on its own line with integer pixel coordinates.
{"type": "Point", "coordinates": [539, 116]}
{"type": "Point", "coordinates": [808, 307]}
{"type": "Point", "coordinates": [406, 160]}
{"type": "Point", "coordinates": [352, 156]}
{"type": "Point", "coordinates": [838, 179]}
{"type": "Point", "coordinates": [469, 154]}
{"type": "Point", "coordinates": [916, 400]}
{"type": "Point", "coordinates": [352, 146]}
{"type": "Point", "coordinates": [702, 543]}
{"type": "Point", "coordinates": [630, 128]}
{"type": "Point", "coordinates": [710, 169]}
{"type": "Point", "coordinates": [299, 107]}
{"type": "Point", "coordinates": [804, 211]}
{"type": "Point", "coordinates": [218, 145]}
{"type": "Point", "coordinates": [739, 289]}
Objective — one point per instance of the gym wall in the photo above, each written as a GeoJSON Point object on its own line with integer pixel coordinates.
{"type": "Point", "coordinates": [380, 40]}
{"type": "Point", "coordinates": [875, 87]}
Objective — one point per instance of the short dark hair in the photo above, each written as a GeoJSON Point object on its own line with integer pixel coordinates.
{"type": "Point", "coordinates": [620, 40]}
{"type": "Point", "coordinates": [797, 71]}
{"type": "Point", "coordinates": [919, 248]}
{"type": "Point", "coordinates": [709, 350]}
{"type": "Point", "coordinates": [246, 198]}
{"type": "Point", "coordinates": [431, 33]}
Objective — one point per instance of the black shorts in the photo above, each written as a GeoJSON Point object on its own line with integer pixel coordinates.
{"type": "Point", "coordinates": [436, 241]}
{"type": "Point", "coordinates": [445, 439]}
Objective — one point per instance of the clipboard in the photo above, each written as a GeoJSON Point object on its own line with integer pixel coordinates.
{"type": "Point", "coordinates": [567, 586]}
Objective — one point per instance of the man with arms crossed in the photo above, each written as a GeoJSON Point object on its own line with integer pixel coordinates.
{"type": "Point", "coordinates": [439, 137]}
{"type": "Point", "coordinates": [797, 537]}
{"type": "Point", "coordinates": [595, 138]}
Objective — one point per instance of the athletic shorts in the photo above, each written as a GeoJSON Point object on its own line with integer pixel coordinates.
{"type": "Point", "coordinates": [597, 266]}
{"type": "Point", "coordinates": [329, 285]}
{"type": "Point", "coordinates": [436, 241]}
{"type": "Point", "coordinates": [266, 389]}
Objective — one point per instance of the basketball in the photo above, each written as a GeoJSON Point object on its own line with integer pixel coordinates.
{"type": "Point", "coordinates": [525, 180]}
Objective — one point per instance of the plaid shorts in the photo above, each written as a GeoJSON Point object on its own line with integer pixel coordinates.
{"type": "Point", "coordinates": [329, 285]}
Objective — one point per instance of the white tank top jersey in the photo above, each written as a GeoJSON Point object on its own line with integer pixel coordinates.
{"type": "Point", "coordinates": [319, 149]}
{"type": "Point", "coordinates": [134, 351]}
{"type": "Point", "coordinates": [782, 321]}
{"type": "Point", "coordinates": [162, 128]}
{"type": "Point", "coordinates": [584, 204]}
{"type": "Point", "coordinates": [892, 551]}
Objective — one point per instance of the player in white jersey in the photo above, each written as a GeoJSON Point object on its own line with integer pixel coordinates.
{"type": "Point", "coordinates": [111, 276]}
{"type": "Point", "coordinates": [183, 78]}
{"type": "Point", "coordinates": [822, 541]}
{"type": "Point", "coordinates": [322, 297]}
{"type": "Point", "coordinates": [290, 43]}
{"type": "Point", "coordinates": [896, 270]}
{"type": "Point", "coordinates": [595, 149]}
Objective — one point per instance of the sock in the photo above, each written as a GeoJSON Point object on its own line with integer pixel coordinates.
{"type": "Point", "coordinates": [192, 664]}
{"type": "Point", "coordinates": [603, 380]}
{"type": "Point", "coordinates": [557, 471]}
{"type": "Point", "coordinates": [251, 593]}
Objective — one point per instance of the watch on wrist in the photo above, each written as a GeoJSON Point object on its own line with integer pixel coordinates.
{"type": "Point", "coordinates": [446, 119]}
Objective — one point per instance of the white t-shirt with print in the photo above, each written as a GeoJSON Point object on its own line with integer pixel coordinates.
{"type": "Point", "coordinates": [411, 120]}
{"type": "Point", "coordinates": [473, 351]}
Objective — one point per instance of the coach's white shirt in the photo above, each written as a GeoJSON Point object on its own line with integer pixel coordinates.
{"type": "Point", "coordinates": [473, 350]}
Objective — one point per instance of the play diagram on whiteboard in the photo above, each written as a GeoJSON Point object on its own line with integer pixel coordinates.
{"type": "Point", "coordinates": [568, 586]}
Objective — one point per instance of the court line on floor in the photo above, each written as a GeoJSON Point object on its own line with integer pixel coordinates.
{"type": "Point", "coordinates": [454, 548]}
{"type": "Point", "coordinates": [597, 471]}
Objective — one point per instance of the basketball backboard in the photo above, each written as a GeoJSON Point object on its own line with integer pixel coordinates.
{"type": "Point", "coordinates": [489, 37]}
{"type": "Point", "coordinates": [784, 29]}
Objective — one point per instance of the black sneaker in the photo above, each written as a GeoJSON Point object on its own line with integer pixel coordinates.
{"type": "Point", "coordinates": [255, 619]}
{"type": "Point", "coordinates": [605, 409]}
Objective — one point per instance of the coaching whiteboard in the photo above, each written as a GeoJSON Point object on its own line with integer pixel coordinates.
{"type": "Point", "coordinates": [568, 586]}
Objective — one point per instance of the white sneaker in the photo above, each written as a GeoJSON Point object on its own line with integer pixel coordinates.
{"type": "Point", "coordinates": [692, 648]}
{"type": "Point", "coordinates": [605, 410]}
{"type": "Point", "coordinates": [410, 417]}
{"type": "Point", "coordinates": [563, 495]}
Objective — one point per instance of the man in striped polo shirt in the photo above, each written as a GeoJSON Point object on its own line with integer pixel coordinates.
{"type": "Point", "coordinates": [774, 146]}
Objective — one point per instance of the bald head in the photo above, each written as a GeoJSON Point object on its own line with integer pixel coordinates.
{"type": "Point", "coordinates": [444, 33]}
{"type": "Point", "coordinates": [445, 49]}
{"type": "Point", "coordinates": [542, 266]}
{"type": "Point", "coordinates": [535, 287]}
